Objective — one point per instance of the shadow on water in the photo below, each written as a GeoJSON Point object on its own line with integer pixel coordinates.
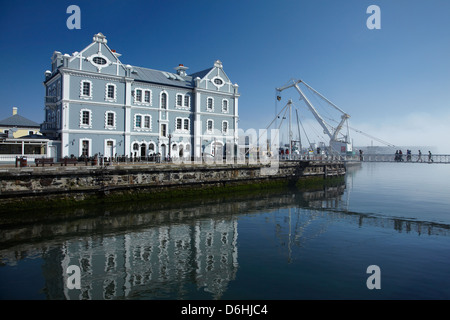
{"type": "Point", "coordinates": [162, 250]}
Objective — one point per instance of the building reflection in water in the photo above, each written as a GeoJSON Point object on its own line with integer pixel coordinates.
{"type": "Point", "coordinates": [164, 250]}
{"type": "Point", "coordinates": [147, 263]}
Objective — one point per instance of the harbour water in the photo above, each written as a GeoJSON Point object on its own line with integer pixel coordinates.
{"type": "Point", "coordinates": [279, 244]}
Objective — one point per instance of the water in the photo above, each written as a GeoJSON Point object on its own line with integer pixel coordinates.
{"type": "Point", "coordinates": [281, 244]}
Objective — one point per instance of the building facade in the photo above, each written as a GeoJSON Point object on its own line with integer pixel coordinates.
{"type": "Point", "coordinates": [96, 105]}
{"type": "Point", "coordinates": [17, 126]}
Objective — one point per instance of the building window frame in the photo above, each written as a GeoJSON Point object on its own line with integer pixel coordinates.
{"type": "Point", "coordinates": [108, 92]}
{"type": "Point", "coordinates": [86, 118]}
{"type": "Point", "coordinates": [225, 127]}
{"type": "Point", "coordinates": [210, 104]}
{"type": "Point", "coordinates": [163, 103]}
{"type": "Point", "coordinates": [108, 124]}
{"type": "Point", "coordinates": [182, 125]}
{"type": "Point", "coordinates": [209, 129]}
{"type": "Point", "coordinates": [142, 122]}
{"type": "Point", "coordinates": [225, 106]}
{"type": "Point", "coordinates": [86, 91]}
{"type": "Point", "coordinates": [179, 100]}
{"type": "Point", "coordinates": [85, 149]}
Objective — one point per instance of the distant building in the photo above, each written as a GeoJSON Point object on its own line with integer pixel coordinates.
{"type": "Point", "coordinates": [20, 137]}
{"type": "Point", "coordinates": [17, 126]}
{"type": "Point", "coordinates": [95, 104]}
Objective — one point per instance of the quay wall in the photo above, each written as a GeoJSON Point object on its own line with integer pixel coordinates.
{"type": "Point", "coordinates": [79, 183]}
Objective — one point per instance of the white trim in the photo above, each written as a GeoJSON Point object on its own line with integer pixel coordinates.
{"type": "Point", "coordinates": [207, 130]}
{"type": "Point", "coordinates": [207, 104]}
{"type": "Point", "coordinates": [82, 95]}
{"type": "Point", "coordinates": [228, 127]}
{"type": "Point", "coordinates": [218, 86]}
{"type": "Point", "coordinates": [107, 126]}
{"type": "Point", "coordinates": [83, 125]}
{"type": "Point", "coordinates": [167, 130]}
{"type": "Point", "coordinates": [167, 100]}
{"type": "Point", "coordinates": [114, 151]}
{"type": "Point", "coordinates": [142, 102]}
{"type": "Point", "coordinates": [102, 56]}
{"type": "Point", "coordinates": [182, 130]}
{"type": "Point", "coordinates": [181, 98]}
{"type": "Point", "coordinates": [228, 106]}
{"type": "Point", "coordinates": [142, 127]}
{"type": "Point", "coordinates": [80, 146]}
{"type": "Point", "coordinates": [109, 99]}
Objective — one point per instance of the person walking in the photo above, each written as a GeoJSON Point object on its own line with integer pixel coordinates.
{"type": "Point", "coordinates": [419, 159]}
{"type": "Point", "coordinates": [430, 157]}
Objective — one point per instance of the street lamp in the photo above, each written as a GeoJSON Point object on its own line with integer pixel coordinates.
{"type": "Point", "coordinates": [170, 146]}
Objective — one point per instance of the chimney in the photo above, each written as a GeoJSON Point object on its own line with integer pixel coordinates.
{"type": "Point", "coordinates": [181, 70]}
{"type": "Point", "coordinates": [14, 111]}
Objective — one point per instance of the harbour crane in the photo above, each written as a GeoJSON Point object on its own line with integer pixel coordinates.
{"type": "Point", "coordinates": [337, 145]}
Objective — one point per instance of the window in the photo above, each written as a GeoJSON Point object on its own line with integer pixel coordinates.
{"type": "Point", "coordinates": [224, 127]}
{"type": "Point", "coordinates": [86, 89]}
{"type": "Point", "coordinates": [163, 130]}
{"type": "Point", "coordinates": [147, 122]}
{"type": "Point", "coordinates": [209, 125]}
{"type": "Point", "coordinates": [138, 97]}
{"type": "Point", "coordinates": [218, 82]}
{"type": "Point", "coordinates": [225, 106]}
{"type": "Point", "coordinates": [110, 91]}
{"type": "Point", "coordinates": [209, 104]}
{"type": "Point", "coordinates": [143, 122]}
{"type": "Point", "coordinates": [85, 148]}
{"type": "Point", "coordinates": [138, 122]}
{"type": "Point", "coordinates": [186, 124]}
{"type": "Point", "coordinates": [187, 101]}
{"type": "Point", "coordinates": [110, 119]}
{"type": "Point", "coordinates": [179, 123]}
{"type": "Point", "coordinates": [163, 100]}
{"type": "Point", "coordinates": [99, 60]}
{"type": "Point", "coordinates": [179, 100]}
{"type": "Point", "coordinates": [147, 96]}
{"type": "Point", "coordinates": [85, 118]}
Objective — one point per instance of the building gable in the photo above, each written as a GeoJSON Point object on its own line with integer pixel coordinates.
{"type": "Point", "coordinates": [214, 79]}
{"type": "Point", "coordinates": [98, 58]}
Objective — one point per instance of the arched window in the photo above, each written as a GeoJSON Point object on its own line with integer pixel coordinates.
{"type": "Point", "coordinates": [163, 100]}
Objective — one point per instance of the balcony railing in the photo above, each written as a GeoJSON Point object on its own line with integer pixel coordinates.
{"type": "Point", "coordinates": [46, 126]}
{"type": "Point", "coordinates": [49, 99]}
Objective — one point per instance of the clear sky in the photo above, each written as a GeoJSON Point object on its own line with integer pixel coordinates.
{"type": "Point", "coordinates": [394, 82]}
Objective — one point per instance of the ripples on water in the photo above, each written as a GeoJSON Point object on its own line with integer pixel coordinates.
{"type": "Point", "coordinates": [279, 244]}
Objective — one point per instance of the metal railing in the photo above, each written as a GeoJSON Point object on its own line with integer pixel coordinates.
{"type": "Point", "coordinates": [424, 158]}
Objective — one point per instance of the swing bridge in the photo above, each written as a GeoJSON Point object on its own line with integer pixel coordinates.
{"type": "Point", "coordinates": [339, 147]}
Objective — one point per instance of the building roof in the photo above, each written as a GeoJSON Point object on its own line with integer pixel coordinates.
{"type": "Point", "coordinates": [201, 74]}
{"type": "Point", "coordinates": [161, 77]}
{"type": "Point", "coordinates": [18, 121]}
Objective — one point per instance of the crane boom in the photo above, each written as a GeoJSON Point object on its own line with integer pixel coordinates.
{"type": "Point", "coordinates": [333, 134]}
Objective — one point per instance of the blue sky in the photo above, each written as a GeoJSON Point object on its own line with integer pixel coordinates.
{"type": "Point", "coordinates": [394, 82]}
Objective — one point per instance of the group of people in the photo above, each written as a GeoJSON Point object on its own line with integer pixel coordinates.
{"type": "Point", "coordinates": [399, 156]}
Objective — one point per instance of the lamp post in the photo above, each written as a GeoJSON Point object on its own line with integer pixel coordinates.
{"type": "Point", "coordinates": [170, 146]}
